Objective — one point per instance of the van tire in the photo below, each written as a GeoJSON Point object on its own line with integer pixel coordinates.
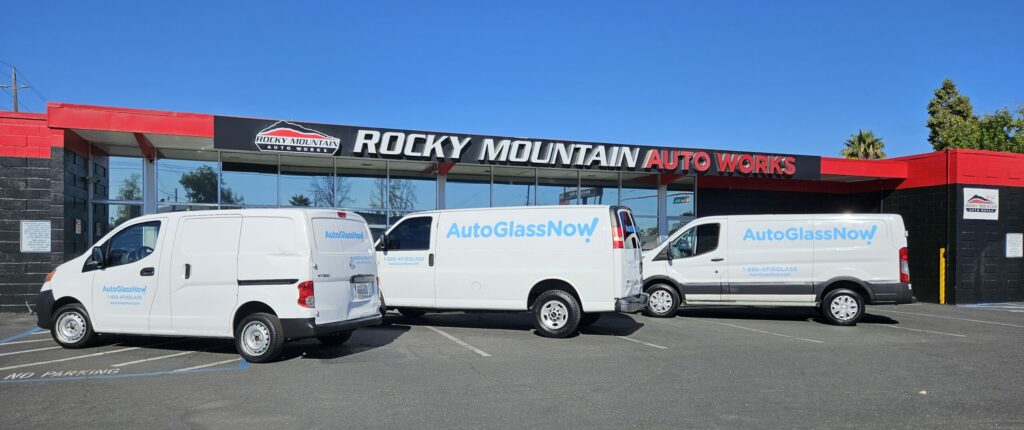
{"type": "Point", "coordinates": [71, 327]}
{"type": "Point", "coordinates": [665, 301]}
{"type": "Point", "coordinates": [556, 313]}
{"type": "Point", "coordinates": [589, 318]}
{"type": "Point", "coordinates": [259, 337]}
{"type": "Point", "coordinates": [335, 339]}
{"type": "Point", "coordinates": [842, 307]}
{"type": "Point", "coordinates": [411, 313]}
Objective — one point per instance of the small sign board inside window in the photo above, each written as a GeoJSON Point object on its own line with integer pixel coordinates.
{"type": "Point", "coordinates": [1014, 245]}
{"type": "Point", "coordinates": [35, 236]}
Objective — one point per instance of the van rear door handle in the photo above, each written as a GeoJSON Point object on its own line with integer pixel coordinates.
{"type": "Point", "coordinates": [718, 259]}
{"type": "Point", "coordinates": [430, 260]}
{"type": "Point", "coordinates": [188, 270]}
{"type": "Point", "coordinates": [147, 271]}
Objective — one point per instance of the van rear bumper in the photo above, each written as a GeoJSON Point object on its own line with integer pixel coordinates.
{"type": "Point", "coordinates": [899, 293]}
{"type": "Point", "coordinates": [299, 328]}
{"type": "Point", "coordinates": [631, 304]}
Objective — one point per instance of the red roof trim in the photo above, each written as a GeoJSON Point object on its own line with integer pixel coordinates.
{"type": "Point", "coordinates": [73, 116]}
{"type": "Point", "coordinates": [887, 169]}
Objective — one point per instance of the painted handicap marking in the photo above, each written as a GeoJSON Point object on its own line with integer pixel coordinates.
{"type": "Point", "coordinates": [29, 332]}
{"type": "Point", "coordinates": [115, 373]}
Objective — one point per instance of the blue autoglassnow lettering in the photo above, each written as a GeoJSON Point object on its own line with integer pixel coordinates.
{"type": "Point", "coordinates": [344, 234]}
{"type": "Point", "coordinates": [800, 233]}
{"type": "Point", "coordinates": [515, 230]}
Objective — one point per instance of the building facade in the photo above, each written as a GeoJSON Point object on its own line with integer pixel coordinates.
{"type": "Point", "coordinates": [71, 175]}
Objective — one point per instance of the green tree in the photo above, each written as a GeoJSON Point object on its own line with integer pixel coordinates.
{"type": "Point", "coordinates": [951, 120]}
{"type": "Point", "coordinates": [131, 189]}
{"type": "Point", "coordinates": [299, 200]}
{"type": "Point", "coordinates": [201, 187]}
{"type": "Point", "coordinates": [864, 145]}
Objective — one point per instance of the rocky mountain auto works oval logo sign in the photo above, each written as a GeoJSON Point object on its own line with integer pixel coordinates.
{"type": "Point", "coordinates": [981, 203]}
{"type": "Point", "coordinates": [286, 137]}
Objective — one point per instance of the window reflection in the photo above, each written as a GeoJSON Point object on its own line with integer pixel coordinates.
{"type": "Point", "coordinates": [248, 180]}
{"type": "Point", "coordinates": [557, 187]}
{"type": "Point", "coordinates": [307, 182]}
{"type": "Point", "coordinates": [513, 186]}
{"type": "Point", "coordinates": [468, 186]}
{"type": "Point", "coordinates": [599, 188]}
{"type": "Point", "coordinates": [187, 181]}
{"type": "Point", "coordinates": [107, 217]}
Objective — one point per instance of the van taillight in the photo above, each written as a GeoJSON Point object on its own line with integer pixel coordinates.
{"type": "Point", "coordinates": [617, 239]}
{"type": "Point", "coordinates": [342, 214]}
{"type": "Point", "coordinates": [306, 299]}
{"type": "Point", "coordinates": [904, 265]}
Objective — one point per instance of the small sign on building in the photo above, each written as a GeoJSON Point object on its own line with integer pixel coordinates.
{"type": "Point", "coordinates": [981, 203]}
{"type": "Point", "coordinates": [1014, 245]}
{"type": "Point", "coordinates": [35, 236]}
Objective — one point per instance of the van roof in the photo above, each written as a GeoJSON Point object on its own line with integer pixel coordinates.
{"type": "Point", "coordinates": [309, 212]}
{"type": "Point", "coordinates": [801, 216]}
{"type": "Point", "coordinates": [514, 208]}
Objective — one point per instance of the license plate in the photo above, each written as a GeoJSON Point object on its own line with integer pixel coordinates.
{"type": "Point", "coordinates": [362, 291]}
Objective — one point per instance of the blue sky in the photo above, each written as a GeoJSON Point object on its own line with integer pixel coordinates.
{"type": "Point", "coordinates": [779, 76]}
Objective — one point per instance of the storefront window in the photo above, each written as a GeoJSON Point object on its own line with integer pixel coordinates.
{"type": "Point", "coordinates": [107, 217]}
{"type": "Point", "coordinates": [307, 182]}
{"type": "Point", "coordinates": [513, 186]}
{"type": "Point", "coordinates": [557, 187]}
{"type": "Point", "coordinates": [599, 188]}
{"type": "Point", "coordinates": [680, 203]}
{"type": "Point", "coordinates": [248, 180]}
{"type": "Point", "coordinates": [187, 177]}
{"type": "Point", "coordinates": [468, 186]}
{"type": "Point", "coordinates": [640, 194]}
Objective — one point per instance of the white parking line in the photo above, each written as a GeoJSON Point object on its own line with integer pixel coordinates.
{"type": "Point", "coordinates": [29, 350]}
{"type": "Point", "coordinates": [949, 318]}
{"type": "Point", "coordinates": [59, 360]}
{"type": "Point", "coordinates": [629, 339]}
{"type": "Point", "coordinates": [917, 329]}
{"type": "Point", "coordinates": [24, 341]}
{"type": "Point", "coordinates": [763, 331]}
{"type": "Point", "coordinates": [39, 332]}
{"type": "Point", "coordinates": [153, 359]}
{"type": "Point", "coordinates": [203, 366]}
{"type": "Point", "coordinates": [459, 341]}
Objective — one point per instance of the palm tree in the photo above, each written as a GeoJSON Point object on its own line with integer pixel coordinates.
{"type": "Point", "coordinates": [864, 145]}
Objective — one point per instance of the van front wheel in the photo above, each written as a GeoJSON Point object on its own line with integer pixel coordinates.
{"type": "Point", "coordinates": [842, 307]}
{"type": "Point", "coordinates": [259, 337]}
{"type": "Point", "coordinates": [556, 314]}
{"type": "Point", "coordinates": [71, 327]}
{"type": "Point", "coordinates": [663, 301]}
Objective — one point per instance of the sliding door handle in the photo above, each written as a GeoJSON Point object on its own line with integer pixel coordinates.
{"type": "Point", "coordinates": [717, 259]}
{"type": "Point", "coordinates": [147, 271]}
{"type": "Point", "coordinates": [188, 270]}
{"type": "Point", "coordinates": [430, 260]}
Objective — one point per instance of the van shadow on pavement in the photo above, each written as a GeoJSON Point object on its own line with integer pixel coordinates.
{"type": "Point", "coordinates": [610, 324]}
{"type": "Point", "coordinates": [772, 314]}
{"type": "Point", "coordinates": [364, 339]}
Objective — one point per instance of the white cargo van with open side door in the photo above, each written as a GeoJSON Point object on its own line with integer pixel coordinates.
{"type": "Point", "coordinates": [260, 276]}
{"type": "Point", "coordinates": [566, 264]}
{"type": "Point", "coordinates": [836, 262]}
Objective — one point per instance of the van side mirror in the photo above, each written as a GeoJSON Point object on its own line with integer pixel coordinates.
{"type": "Point", "coordinates": [382, 244]}
{"type": "Point", "coordinates": [97, 256]}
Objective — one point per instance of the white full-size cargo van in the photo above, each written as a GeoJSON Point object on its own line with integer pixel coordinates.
{"type": "Point", "coordinates": [566, 264]}
{"type": "Point", "coordinates": [260, 276]}
{"type": "Point", "coordinates": [838, 263]}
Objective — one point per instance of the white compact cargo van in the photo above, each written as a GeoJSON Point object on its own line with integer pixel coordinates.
{"type": "Point", "coordinates": [260, 276]}
{"type": "Point", "coordinates": [838, 263]}
{"type": "Point", "coordinates": [566, 264]}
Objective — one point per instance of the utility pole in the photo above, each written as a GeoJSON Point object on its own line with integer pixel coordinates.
{"type": "Point", "coordinates": [14, 86]}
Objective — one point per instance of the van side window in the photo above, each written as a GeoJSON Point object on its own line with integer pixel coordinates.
{"type": "Point", "coordinates": [412, 234]}
{"type": "Point", "coordinates": [696, 241]}
{"type": "Point", "coordinates": [629, 230]}
{"type": "Point", "coordinates": [132, 244]}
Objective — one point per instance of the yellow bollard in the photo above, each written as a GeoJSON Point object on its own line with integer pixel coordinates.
{"type": "Point", "coordinates": [942, 276]}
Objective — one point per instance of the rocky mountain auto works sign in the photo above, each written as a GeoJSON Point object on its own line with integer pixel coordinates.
{"type": "Point", "coordinates": [981, 203]}
{"type": "Point", "coordinates": [243, 134]}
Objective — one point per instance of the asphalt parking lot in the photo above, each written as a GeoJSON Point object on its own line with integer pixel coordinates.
{"type": "Point", "coordinates": [910, 366]}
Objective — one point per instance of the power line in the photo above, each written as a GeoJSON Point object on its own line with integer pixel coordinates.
{"type": "Point", "coordinates": [31, 86]}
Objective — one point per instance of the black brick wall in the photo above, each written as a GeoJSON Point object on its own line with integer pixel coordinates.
{"type": "Point", "coordinates": [925, 213]}
{"type": "Point", "coordinates": [30, 189]}
{"type": "Point", "coordinates": [720, 201]}
{"type": "Point", "coordinates": [983, 273]}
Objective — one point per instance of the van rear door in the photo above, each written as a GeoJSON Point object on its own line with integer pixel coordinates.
{"type": "Point", "coordinates": [344, 270]}
{"type": "Point", "coordinates": [627, 252]}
